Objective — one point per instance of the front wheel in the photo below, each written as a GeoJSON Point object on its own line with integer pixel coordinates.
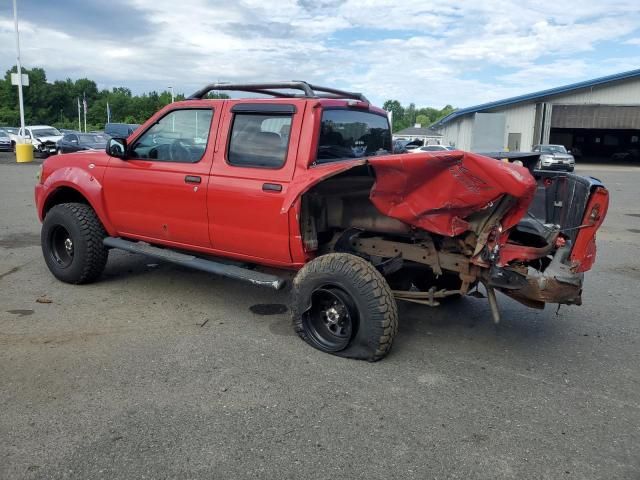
{"type": "Point", "coordinates": [71, 239]}
{"type": "Point", "coordinates": [342, 305]}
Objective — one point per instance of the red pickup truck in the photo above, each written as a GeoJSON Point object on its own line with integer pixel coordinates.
{"type": "Point", "coordinates": [307, 182]}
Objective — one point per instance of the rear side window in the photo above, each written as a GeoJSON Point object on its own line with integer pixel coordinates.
{"type": "Point", "coordinates": [352, 134]}
{"type": "Point", "coordinates": [259, 140]}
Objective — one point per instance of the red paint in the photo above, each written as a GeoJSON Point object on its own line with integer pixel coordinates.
{"type": "Point", "coordinates": [434, 191]}
{"type": "Point", "coordinates": [583, 253]}
{"type": "Point", "coordinates": [229, 214]}
{"type": "Point", "coordinates": [510, 252]}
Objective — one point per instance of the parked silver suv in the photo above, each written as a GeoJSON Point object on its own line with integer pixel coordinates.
{"type": "Point", "coordinates": [554, 157]}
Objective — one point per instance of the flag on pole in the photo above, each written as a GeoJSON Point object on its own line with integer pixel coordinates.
{"type": "Point", "coordinates": [84, 106]}
{"type": "Point", "coordinates": [79, 121]}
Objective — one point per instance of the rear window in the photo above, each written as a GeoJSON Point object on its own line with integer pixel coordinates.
{"type": "Point", "coordinates": [352, 134]}
{"type": "Point", "coordinates": [259, 140]}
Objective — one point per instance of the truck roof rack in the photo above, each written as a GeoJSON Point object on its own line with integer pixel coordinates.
{"type": "Point", "coordinates": [308, 90]}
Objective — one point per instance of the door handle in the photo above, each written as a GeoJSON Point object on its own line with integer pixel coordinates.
{"type": "Point", "coordinates": [192, 179]}
{"type": "Point", "coordinates": [271, 187]}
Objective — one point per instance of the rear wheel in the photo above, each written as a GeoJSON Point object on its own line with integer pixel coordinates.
{"type": "Point", "coordinates": [342, 305]}
{"type": "Point", "coordinates": [72, 245]}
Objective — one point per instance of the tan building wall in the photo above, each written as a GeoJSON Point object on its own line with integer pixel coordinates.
{"type": "Point", "coordinates": [521, 118]}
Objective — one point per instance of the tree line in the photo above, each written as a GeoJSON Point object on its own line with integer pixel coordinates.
{"type": "Point", "coordinates": [56, 103]}
{"type": "Point", "coordinates": [404, 117]}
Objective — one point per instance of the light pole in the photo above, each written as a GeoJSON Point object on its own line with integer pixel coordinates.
{"type": "Point", "coordinates": [169, 87]}
{"type": "Point", "coordinates": [15, 21]}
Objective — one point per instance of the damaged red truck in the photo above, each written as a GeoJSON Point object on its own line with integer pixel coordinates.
{"type": "Point", "coordinates": [304, 180]}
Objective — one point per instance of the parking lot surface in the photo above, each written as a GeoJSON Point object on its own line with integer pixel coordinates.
{"type": "Point", "coordinates": [157, 371]}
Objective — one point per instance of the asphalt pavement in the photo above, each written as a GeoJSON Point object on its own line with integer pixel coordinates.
{"type": "Point", "coordinates": [159, 372]}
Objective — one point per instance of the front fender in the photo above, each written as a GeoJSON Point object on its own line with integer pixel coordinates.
{"type": "Point", "coordinates": [88, 184]}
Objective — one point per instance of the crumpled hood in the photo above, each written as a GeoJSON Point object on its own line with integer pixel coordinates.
{"type": "Point", "coordinates": [52, 138]}
{"type": "Point", "coordinates": [437, 191]}
{"type": "Point", "coordinates": [434, 191]}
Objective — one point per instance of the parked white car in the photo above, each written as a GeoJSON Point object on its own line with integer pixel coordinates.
{"type": "Point", "coordinates": [43, 138]}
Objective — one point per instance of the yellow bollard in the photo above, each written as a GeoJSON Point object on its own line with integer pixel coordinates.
{"type": "Point", "coordinates": [24, 152]}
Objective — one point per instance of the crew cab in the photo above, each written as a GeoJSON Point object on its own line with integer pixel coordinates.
{"type": "Point", "coordinates": [307, 183]}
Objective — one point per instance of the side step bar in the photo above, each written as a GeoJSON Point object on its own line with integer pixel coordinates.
{"type": "Point", "coordinates": [190, 261]}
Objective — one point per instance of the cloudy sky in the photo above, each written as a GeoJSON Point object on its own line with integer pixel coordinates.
{"type": "Point", "coordinates": [431, 52]}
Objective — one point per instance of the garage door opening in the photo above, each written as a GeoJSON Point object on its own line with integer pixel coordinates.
{"type": "Point", "coordinates": [602, 133]}
{"type": "Point", "coordinates": [599, 145]}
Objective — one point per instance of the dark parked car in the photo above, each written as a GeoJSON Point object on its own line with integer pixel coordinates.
{"type": "Point", "coordinates": [120, 130]}
{"type": "Point", "coordinates": [5, 141]}
{"type": "Point", "coordinates": [74, 142]}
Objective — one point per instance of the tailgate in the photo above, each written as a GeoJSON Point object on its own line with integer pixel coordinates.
{"type": "Point", "coordinates": [578, 206]}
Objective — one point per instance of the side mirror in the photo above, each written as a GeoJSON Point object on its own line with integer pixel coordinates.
{"type": "Point", "coordinates": [117, 147]}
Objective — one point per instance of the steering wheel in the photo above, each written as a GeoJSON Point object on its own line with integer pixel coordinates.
{"type": "Point", "coordinates": [179, 150]}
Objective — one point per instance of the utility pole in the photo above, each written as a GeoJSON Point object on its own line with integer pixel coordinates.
{"type": "Point", "coordinates": [171, 90]}
{"type": "Point", "coordinates": [15, 20]}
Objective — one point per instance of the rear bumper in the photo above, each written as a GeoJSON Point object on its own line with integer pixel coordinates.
{"type": "Point", "coordinates": [558, 283]}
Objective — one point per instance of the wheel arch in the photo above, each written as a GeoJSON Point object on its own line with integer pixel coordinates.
{"type": "Point", "coordinates": [71, 193]}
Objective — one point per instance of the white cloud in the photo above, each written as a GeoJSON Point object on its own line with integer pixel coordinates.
{"type": "Point", "coordinates": [431, 53]}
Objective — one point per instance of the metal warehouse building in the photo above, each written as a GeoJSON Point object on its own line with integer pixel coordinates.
{"type": "Point", "coordinates": [597, 118]}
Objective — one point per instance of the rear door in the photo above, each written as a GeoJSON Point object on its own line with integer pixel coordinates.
{"type": "Point", "coordinates": [254, 163]}
{"type": "Point", "coordinates": [159, 193]}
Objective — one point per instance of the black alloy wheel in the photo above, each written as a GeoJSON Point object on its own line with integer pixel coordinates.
{"type": "Point", "coordinates": [332, 318]}
{"type": "Point", "coordinates": [61, 246]}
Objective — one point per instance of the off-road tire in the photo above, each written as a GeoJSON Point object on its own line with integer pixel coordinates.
{"type": "Point", "coordinates": [86, 232]}
{"type": "Point", "coordinates": [376, 322]}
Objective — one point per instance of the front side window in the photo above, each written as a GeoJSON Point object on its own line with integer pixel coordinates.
{"type": "Point", "coordinates": [352, 134]}
{"type": "Point", "coordinates": [259, 140]}
{"type": "Point", "coordinates": [179, 136]}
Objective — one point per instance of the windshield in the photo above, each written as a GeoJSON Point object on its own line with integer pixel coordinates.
{"type": "Point", "coordinates": [3, 134]}
{"type": "Point", "coordinates": [90, 139]}
{"type": "Point", "coordinates": [352, 134]}
{"type": "Point", "coordinates": [45, 132]}
{"type": "Point", "coordinates": [9, 129]}
{"type": "Point", "coordinates": [553, 149]}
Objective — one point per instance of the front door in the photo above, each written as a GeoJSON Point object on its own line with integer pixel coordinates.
{"type": "Point", "coordinates": [250, 178]}
{"type": "Point", "coordinates": [159, 193]}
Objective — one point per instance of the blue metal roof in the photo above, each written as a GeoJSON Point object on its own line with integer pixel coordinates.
{"type": "Point", "coordinates": [534, 96]}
